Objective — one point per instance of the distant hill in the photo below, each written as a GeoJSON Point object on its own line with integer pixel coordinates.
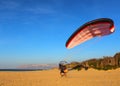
{"type": "Point", "coordinates": [105, 63]}
{"type": "Point", "coordinates": [37, 66]}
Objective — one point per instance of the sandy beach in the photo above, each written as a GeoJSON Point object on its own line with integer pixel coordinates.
{"type": "Point", "coordinates": [90, 77]}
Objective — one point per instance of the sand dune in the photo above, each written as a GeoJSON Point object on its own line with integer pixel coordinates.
{"type": "Point", "coordinates": [90, 77]}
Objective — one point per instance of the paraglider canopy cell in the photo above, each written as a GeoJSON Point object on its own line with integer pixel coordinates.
{"type": "Point", "coordinates": [95, 28]}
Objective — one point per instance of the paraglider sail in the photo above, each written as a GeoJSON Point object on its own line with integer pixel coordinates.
{"type": "Point", "coordinates": [95, 28]}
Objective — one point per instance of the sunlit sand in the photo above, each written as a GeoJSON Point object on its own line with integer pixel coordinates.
{"type": "Point", "coordinates": [52, 77]}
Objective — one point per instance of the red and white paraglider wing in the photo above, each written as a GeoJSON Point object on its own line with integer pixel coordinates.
{"type": "Point", "coordinates": [98, 27]}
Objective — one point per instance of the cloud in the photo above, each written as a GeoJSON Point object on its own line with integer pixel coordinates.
{"type": "Point", "coordinates": [8, 5]}
{"type": "Point", "coordinates": [41, 10]}
{"type": "Point", "coordinates": [36, 7]}
{"type": "Point", "coordinates": [42, 7]}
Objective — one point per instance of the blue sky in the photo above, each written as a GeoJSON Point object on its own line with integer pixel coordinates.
{"type": "Point", "coordinates": [35, 31]}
